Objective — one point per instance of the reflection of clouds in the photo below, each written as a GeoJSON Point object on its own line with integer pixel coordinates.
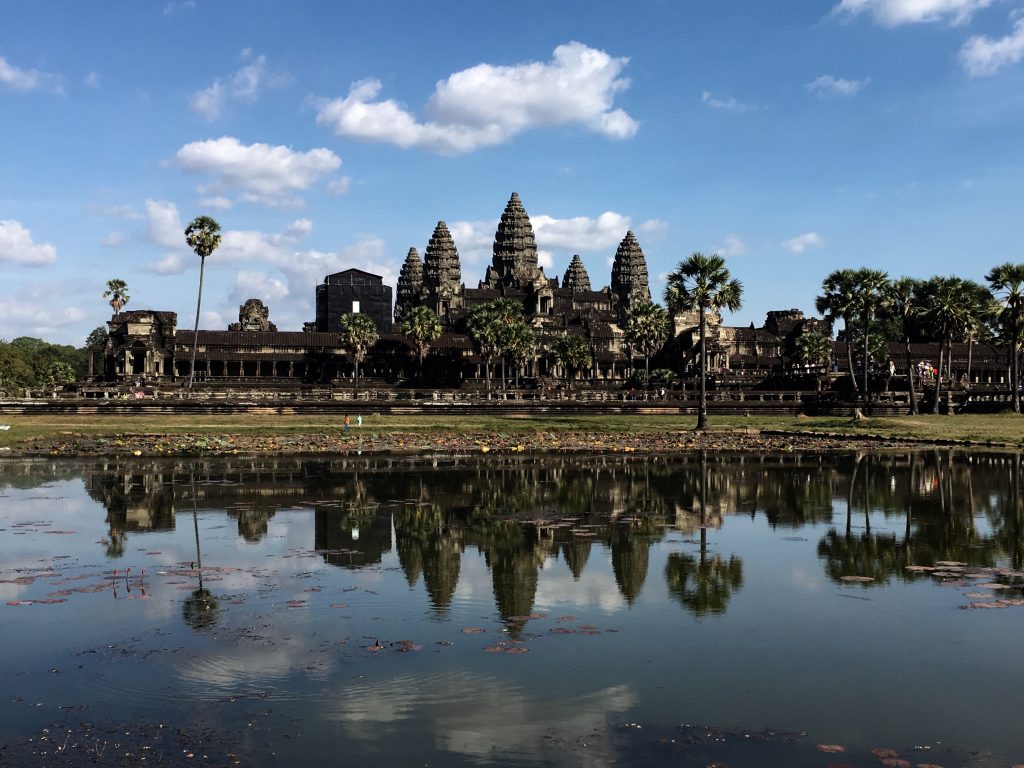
{"type": "Point", "coordinates": [595, 589]}
{"type": "Point", "coordinates": [237, 669]}
{"type": "Point", "coordinates": [806, 581]}
{"type": "Point", "coordinates": [484, 717]}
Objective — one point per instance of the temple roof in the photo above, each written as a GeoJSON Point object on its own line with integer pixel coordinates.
{"type": "Point", "coordinates": [576, 277]}
{"type": "Point", "coordinates": [441, 267]}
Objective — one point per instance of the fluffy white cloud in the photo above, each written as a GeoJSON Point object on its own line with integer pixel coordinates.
{"type": "Point", "coordinates": [801, 243]}
{"type": "Point", "coordinates": [164, 224]}
{"type": "Point", "coordinates": [244, 85]}
{"type": "Point", "coordinates": [169, 264]}
{"type": "Point", "coordinates": [827, 87]}
{"type": "Point", "coordinates": [270, 175]}
{"type": "Point", "coordinates": [17, 247]}
{"type": "Point", "coordinates": [126, 212]}
{"type": "Point", "coordinates": [38, 317]}
{"type": "Point", "coordinates": [256, 284]}
{"type": "Point", "coordinates": [733, 246]}
{"type": "Point", "coordinates": [982, 55]}
{"type": "Point", "coordinates": [487, 105]}
{"type": "Point", "coordinates": [29, 79]}
{"type": "Point", "coordinates": [339, 186]}
{"type": "Point", "coordinates": [893, 13]}
{"type": "Point", "coordinates": [730, 104]}
{"type": "Point", "coordinates": [217, 203]}
{"type": "Point", "coordinates": [113, 240]}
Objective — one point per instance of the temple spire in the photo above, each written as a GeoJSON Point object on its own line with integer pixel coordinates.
{"type": "Point", "coordinates": [576, 278]}
{"type": "Point", "coordinates": [514, 260]}
{"type": "Point", "coordinates": [442, 273]}
{"type": "Point", "coordinates": [629, 275]}
{"type": "Point", "coordinates": [410, 284]}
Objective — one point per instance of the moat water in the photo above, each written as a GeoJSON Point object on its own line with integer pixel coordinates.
{"type": "Point", "coordinates": [729, 610]}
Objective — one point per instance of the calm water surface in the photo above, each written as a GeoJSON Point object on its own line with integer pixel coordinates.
{"type": "Point", "coordinates": [568, 611]}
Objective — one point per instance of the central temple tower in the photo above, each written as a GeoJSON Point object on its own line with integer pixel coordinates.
{"type": "Point", "coordinates": [514, 261]}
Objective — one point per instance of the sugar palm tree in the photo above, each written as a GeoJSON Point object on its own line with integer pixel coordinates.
{"type": "Point", "coordinates": [1007, 281]}
{"type": "Point", "coordinates": [421, 325]}
{"type": "Point", "coordinates": [814, 349]}
{"type": "Point", "coordinates": [646, 331]}
{"type": "Point", "coordinates": [508, 314]}
{"type": "Point", "coordinates": [904, 305]}
{"type": "Point", "coordinates": [484, 328]}
{"type": "Point", "coordinates": [572, 352]}
{"type": "Point", "coordinates": [521, 346]}
{"type": "Point", "coordinates": [702, 283]}
{"type": "Point", "coordinates": [838, 301]}
{"type": "Point", "coordinates": [117, 292]}
{"type": "Point", "coordinates": [203, 236]}
{"type": "Point", "coordinates": [949, 313]}
{"type": "Point", "coordinates": [358, 334]}
{"type": "Point", "coordinates": [870, 290]}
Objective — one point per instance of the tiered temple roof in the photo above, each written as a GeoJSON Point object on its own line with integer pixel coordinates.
{"type": "Point", "coordinates": [441, 267]}
{"type": "Point", "coordinates": [576, 278]}
{"type": "Point", "coordinates": [514, 260]}
{"type": "Point", "coordinates": [629, 274]}
{"type": "Point", "coordinates": [410, 284]}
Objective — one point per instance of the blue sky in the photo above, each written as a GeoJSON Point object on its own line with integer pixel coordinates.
{"type": "Point", "coordinates": [794, 138]}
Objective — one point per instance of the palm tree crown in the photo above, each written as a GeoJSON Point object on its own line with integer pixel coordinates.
{"type": "Point", "coordinates": [117, 292]}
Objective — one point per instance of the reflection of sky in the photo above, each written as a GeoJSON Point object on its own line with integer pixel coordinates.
{"type": "Point", "coordinates": [794, 650]}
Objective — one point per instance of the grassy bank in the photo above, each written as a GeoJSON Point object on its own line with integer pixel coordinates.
{"type": "Point", "coordinates": [1004, 428]}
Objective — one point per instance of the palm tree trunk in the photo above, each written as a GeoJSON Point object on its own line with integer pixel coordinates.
{"type": "Point", "coordinates": [864, 363]}
{"type": "Point", "coordinates": [702, 407]}
{"type": "Point", "coordinates": [195, 330]}
{"type": "Point", "coordinates": [938, 377]}
{"type": "Point", "coordinates": [849, 360]}
{"type": "Point", "coordinates": [970, 354]}
{"type": "Point", "coordinates": [1015, 365]}
{"type": "Point", "coordinates": [910, 378]}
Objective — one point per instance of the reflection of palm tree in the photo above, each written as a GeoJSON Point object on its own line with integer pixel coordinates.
{"type": "Point", "coordinates": [201, 610]}
{"type": "Point", "coordinates": [703, 587]}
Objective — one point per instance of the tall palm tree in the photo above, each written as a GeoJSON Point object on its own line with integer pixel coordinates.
{"type": "Point", "coordinates": [117, 292]}
{"type": "Point", "coordinates": [203, 236]}
{"type": "Point", "coordinates": [702, 283]}
{"type": "Point", "coordinates": [521, 346]}
{"type": "Point", "coordinates": [839, 302]}
{"type": "Point", "coordinates": [646, 331]}
{"type": "Point", "coordinates": [572, 352]}
{"type": "Point", "coordinates": [421, 325]}
{"type": "Point", "coordinates": [814, 349]}
{"type": "Point", "coordinates": [949, 313]}
{"type": "Point", "coordinates": [508, 314]}
{"type": "Point", "coordinates": [1007, 281]}
{"type": "Point", "coordinates": [358, 334]}
{"type": "Point", "coordinates": [484, 328]}
{"type": "Point", "coordinates": [870, 289]}
{"type": "Point", "coordinates": [904, 304]}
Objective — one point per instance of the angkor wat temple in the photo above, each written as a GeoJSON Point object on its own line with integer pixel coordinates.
{"type": "Point", "coordinates": [146, 344]}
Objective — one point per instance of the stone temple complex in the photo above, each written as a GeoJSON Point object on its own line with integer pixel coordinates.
{"type": "Point", "coordinates": [146, 345]}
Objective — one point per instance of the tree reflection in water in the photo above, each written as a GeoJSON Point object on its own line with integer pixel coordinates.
{"type": "Point", "coordinates": [589, 511]}
{"type": "Point", "coordinates": [201, 610]}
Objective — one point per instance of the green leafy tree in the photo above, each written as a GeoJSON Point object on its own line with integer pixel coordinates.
{"type": "Point", "coordinates": [508, 314]}
{"type": "Point", "coordinates": [647, 328]}
{"type": "Point", "coordinates": [203, 236]}
{"type": "Point", "coordinates": [814, 349]}
{"type": "Point", "coordinates": [838, 301]}
{"type": "Point", "coordinates": [95, 343]}
{"type": "Point", "coordinates": [423, 327]}
{"type": "Point", "coordinates": [1007, 281]}
{"type": "Point", "coordinates": [59, 373]}
{"type": "Point", "coordinates": [117, 292]}
{"type": "Point", "coordinates": [949, 302]}
{"type": "Point", "coordinates": [358, 334]}
{"type": "Point", "coordinates": [571, 352]}
{"type": "Point", "coordinates": [702, 283]}
{"type": "Point", "coordinates": [15, 371]}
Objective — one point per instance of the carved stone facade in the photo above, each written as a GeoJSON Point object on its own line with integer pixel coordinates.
{"type": "Point", "coordinates": [410, 285]}
{"type": "Point", "coordinates": [629, 275]}
{"type": "Point", "coordinates": [576, 278]}
{"type": "Point", "coordinates": [253, 315]}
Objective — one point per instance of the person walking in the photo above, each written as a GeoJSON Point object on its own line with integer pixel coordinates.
{"type": "Point", "coordinates": [346, 424]}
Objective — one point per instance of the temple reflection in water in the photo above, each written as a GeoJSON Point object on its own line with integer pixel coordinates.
{"type": "Point", "coordinates": [520, 513]}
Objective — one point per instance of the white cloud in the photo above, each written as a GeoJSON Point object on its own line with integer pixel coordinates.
{"type": "Point", "coordinates": [126, 212]}
{"type": "Point", "coordinates": [581, 233]}
{"type": "Point", "coordinates": [733, 246]}
{"type": "Point", "coordinates": [255, 284]}
{"type": "Point", "coordinates": [113, 240]}
{"type": "Point", "coordinates": [164, 224]}
{"type": "Point", "coordinates": [893, 13]}
{"type": "Point", "coordinates": [29, 79]}
{"type": "Point", "coordinates": [37, 315]}
{"type": "Point", "coordinates": [487, 105]}
{"type": "Point", "coordinates": [265, 174]}
{"type": "Point", "coordinates": [730, 104]}
{"type": "Point", "coordinates": [92, 79]}
{"type": "Point", "coordinates": [217, 203]}
{"type": "Point", "coordinates": [244, 85]}
{"type": "Point", "coordinates": [801, 243]}
{"type": "Point", "coordinates": [178, 5]}
{"type": "Point", "coordinates": [827, 87]}
{"type": "Point", "coordinates": [339, 186]}
{"type": "Point", "coordinates": [982, 56]}
{"type": "Point", "coordinates": [168, 264]}
{"type": "Point", "coordinates": [17, 247]}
